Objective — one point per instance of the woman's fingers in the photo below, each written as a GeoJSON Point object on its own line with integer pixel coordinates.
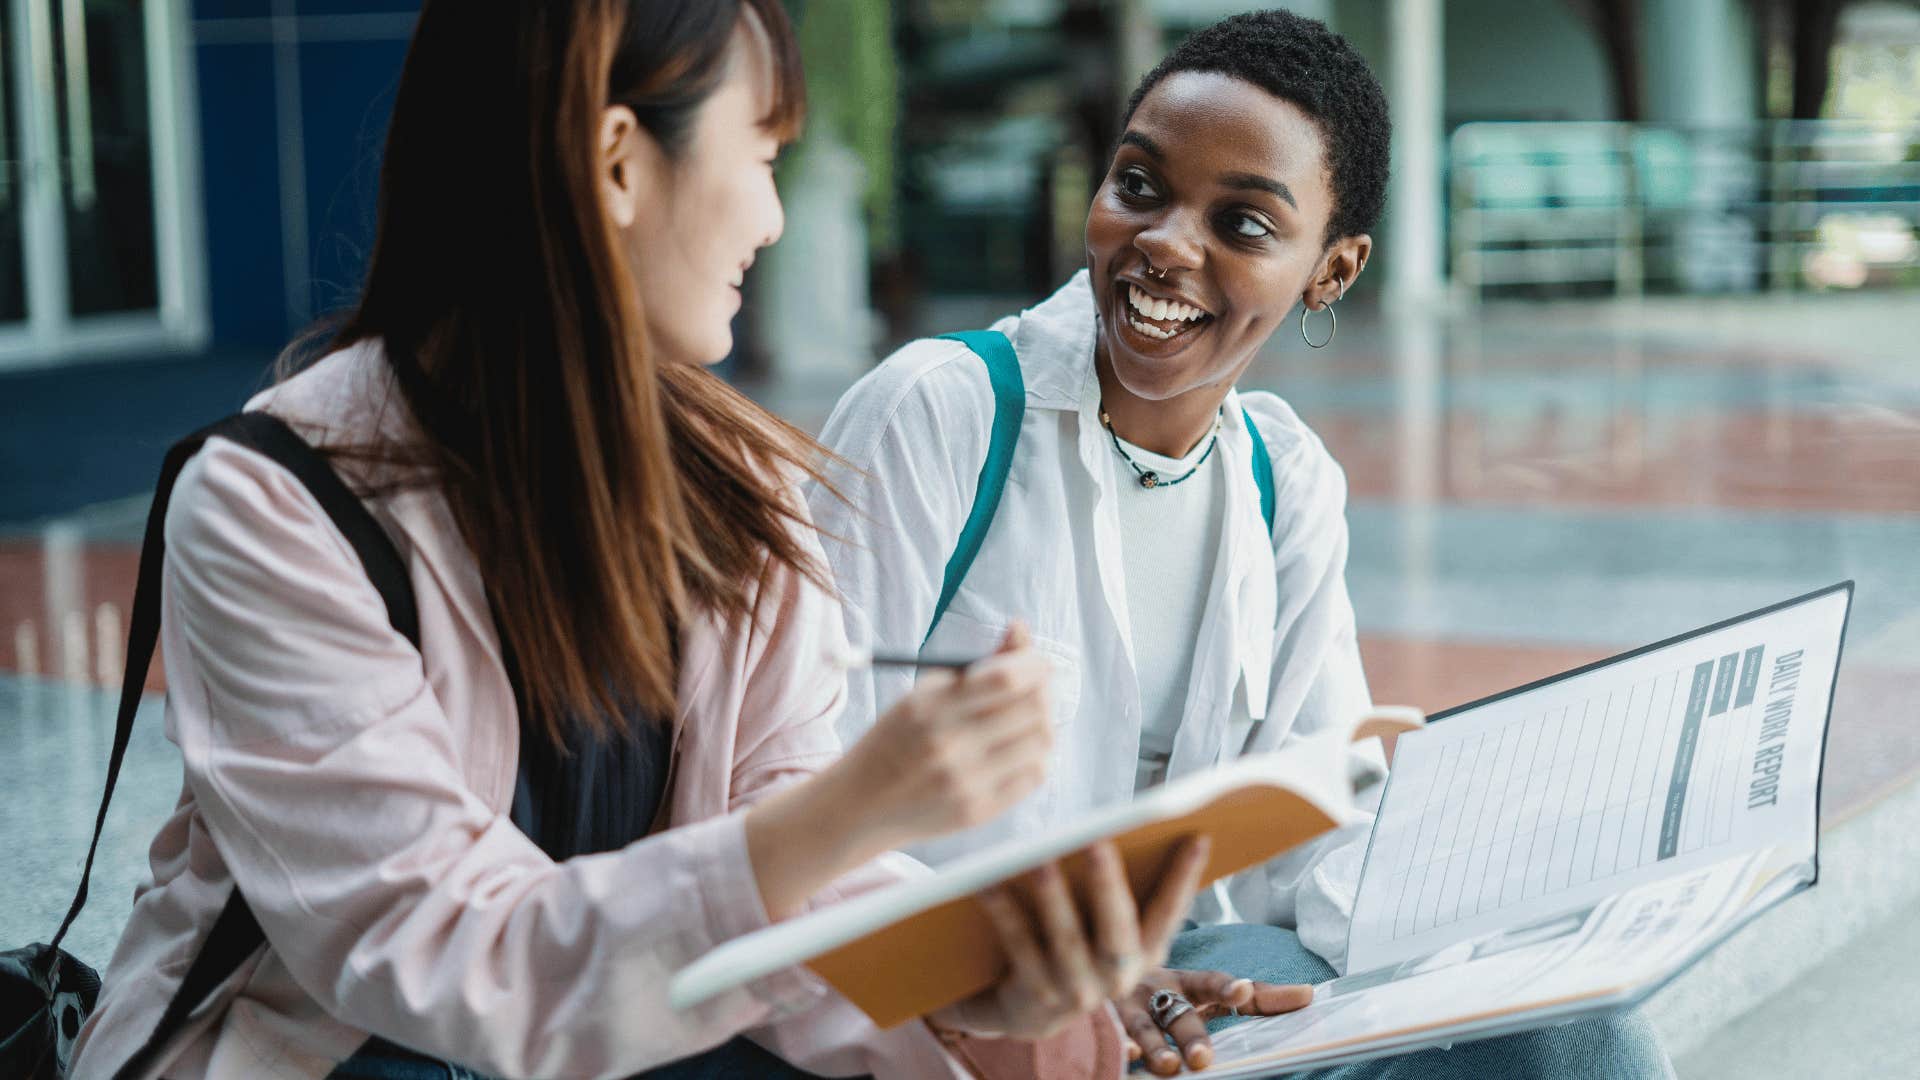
{"type": "Point", "coordinates": [1116, 920]}
{"type": "Point", "coordinates": [984, 707]}
{"type": "Point", "coordinates": [1214, 992]}
{"type": "Point", "coordinates": [1146, 1035]}
{"type": "Point", "coordinates": [1027, 962]}
{"type": "Point", "coordinates": [1173, 897]}
{"type": "Point", "coordinates": [1272, 999]}
{"type": "Point", "coordinates": [1016, 733]}
{"type": "Point", "coordinates": [1018, 637]}
{"type": "Point", "coordinates": [1073, 971]}
{"type": "Point", "coordinates": [1189, 1032]}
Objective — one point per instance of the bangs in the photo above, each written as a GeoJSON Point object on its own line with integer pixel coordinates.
{"type": "Point", "coordinates": [788, 111]}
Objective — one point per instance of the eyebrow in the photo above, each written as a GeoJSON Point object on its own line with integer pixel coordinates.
{"type": "Point", "coordinates": [1253, 182]}
{"type": "Point", "coordinates": [1134, 138]}
{"type": "Point", "coordinates": [1239, 181]}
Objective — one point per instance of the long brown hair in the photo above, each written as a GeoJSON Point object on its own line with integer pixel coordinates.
{"type": "Point", "coordinates": [608, 494]}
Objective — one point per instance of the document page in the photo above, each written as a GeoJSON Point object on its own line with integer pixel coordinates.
{"type": "Point", "coordinates": [1573, 962]}
{"type": "Point", "coordinates": [1650, 765]}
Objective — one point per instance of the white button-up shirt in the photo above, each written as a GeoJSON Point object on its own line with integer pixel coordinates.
{"type": "Point", "coordinates": [1275, 656]}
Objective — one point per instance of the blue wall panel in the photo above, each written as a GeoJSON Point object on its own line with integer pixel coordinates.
{"type": "Point", "coordinates": [231, 9]}
{"type": "Point", "coordinates": [347, 89]}
{"type": "Point", "coordinates": [240, 175]}
{"type": "Point", "coordinates": [347, 82]}
{"type": "Point", "coordinates": [353, 7]}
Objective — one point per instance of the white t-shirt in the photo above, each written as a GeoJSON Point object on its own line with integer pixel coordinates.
{"type": "Point", "coordinates": [1169, 541]}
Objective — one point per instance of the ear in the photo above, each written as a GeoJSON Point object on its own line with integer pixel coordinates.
{"type": "Point", "coordinates": [630, 164]}
{"type": "Point", "coordinates": [1338, 270]}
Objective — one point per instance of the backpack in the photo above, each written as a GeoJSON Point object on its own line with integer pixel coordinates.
{"type": "Point", "coordinates": [1009, 408]}
{"type": "Point", "coordinates": [45, 992]}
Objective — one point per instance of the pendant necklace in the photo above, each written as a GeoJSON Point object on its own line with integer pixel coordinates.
{"type": "Point", "coordinates": [1149, 478]}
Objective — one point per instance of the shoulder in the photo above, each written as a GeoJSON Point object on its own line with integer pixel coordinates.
{"type": "Point", "coordinates": [932, 385]}
{"type": "Point", "coordinates": [347, 397]}
{"type": "Point", "coordinates": [253, 562]}
{"type": "Point", "coordinates": [229, 498]}
{"type": "Point", "coordinates": [1305, 474]}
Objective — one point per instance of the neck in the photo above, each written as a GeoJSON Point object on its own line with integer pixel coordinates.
{"type": "Point", "coordinates": [1171, 428]}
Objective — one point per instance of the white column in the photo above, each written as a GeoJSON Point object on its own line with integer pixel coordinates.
{"type": "Point", "coordinates": [811, 314]}
{"type": "Point", "coordinates": [1699, 67]}
{"type": "Point", "coordinates": [1700, 79]}
{"type": "Point", "coordinates": [1415, 85]}
{"type": "Point", "coordinates": [1139, 44]}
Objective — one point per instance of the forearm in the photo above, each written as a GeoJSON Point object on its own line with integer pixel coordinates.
{"type": "Point", "coordinates": [802, 838]}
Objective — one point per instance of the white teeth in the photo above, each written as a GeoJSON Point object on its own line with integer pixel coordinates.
{"type": "Point", "coordinates": [1163, 310]}
{"type": "Point", "coordinates": [1150, 330]}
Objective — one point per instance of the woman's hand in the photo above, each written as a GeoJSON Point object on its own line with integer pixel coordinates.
{"type": "Point", "coordinates": [1212, 993]}
{"type": "Point", "coordinates": [958, 749]}
{"type": "Point", "coordinates": [1060, 968]}
{"type": "Point", "coordinates": [954, 752]}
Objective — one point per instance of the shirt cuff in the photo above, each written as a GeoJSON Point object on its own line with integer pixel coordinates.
{"type": "Point", "coordinates": [731, 897]}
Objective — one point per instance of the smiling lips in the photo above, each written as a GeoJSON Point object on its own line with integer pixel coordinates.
{"type": "Point", "coordinates": [1160, 319]}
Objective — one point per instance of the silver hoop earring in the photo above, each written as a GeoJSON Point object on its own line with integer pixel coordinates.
{"type": "Point", "coordinates": [1333, 326]}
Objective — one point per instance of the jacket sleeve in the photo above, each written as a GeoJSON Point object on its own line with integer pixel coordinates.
{"type": "Point", "coordinates": [1319, 683]}
{"type": "Point", "coordinates": [785, 734]}
{"type": "Point", "coordinates": [330, 782]}
{"type": "Point", "coordinates": [911, 436]}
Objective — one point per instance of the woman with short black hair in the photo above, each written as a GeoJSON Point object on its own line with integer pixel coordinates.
{"type": "Point", "coordinates": [1177, 547]}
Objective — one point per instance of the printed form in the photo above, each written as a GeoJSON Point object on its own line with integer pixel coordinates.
{"type": "Point", "coordinates": [1549, 799]}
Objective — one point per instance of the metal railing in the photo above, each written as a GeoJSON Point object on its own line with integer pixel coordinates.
{"type": "Point", "coordinates": [1538, 207]}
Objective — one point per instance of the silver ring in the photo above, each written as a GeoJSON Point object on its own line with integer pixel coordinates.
{"type": "Point", "coordinates": [1166, 1006]}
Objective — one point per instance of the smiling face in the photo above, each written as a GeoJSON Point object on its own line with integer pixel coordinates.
{"type": "Point", "coordinates": [1209, 228]}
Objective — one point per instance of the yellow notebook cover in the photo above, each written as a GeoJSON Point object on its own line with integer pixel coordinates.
{"type": "Point", "coordinates": [916, 946]}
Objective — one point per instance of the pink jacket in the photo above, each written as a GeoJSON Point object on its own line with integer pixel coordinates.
{"type": "Point", "coordinates": [358, 792]}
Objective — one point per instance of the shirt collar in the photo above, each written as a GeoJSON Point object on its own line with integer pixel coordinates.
{"type": "Point", "coordinates": [1054, 341]}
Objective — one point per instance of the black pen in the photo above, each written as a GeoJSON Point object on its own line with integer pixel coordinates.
{"type": "Point", "coordinates": [852, 658]}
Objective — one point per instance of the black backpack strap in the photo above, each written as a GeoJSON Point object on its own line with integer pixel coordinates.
{"type": "Point", "coordinates": [235, 934]}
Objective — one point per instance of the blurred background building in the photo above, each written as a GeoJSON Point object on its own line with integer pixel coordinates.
{"type": "Point", "coordinates": [1637, 350]}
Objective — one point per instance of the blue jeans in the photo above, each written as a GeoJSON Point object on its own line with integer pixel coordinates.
{"type": "Point", "coordinates": [1621, 1046]}
{"type": "Point", "coordinates": [740, 1059]}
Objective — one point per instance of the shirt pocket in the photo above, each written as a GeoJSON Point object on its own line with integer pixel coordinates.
{"type": "Point", "coordinates": [960, 634]}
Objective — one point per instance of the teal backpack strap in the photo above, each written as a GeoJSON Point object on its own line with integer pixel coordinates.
{"type": "Point", "coordinates": [1009, 408]}
{"type": "Point", "coordinates": [1262, 471]}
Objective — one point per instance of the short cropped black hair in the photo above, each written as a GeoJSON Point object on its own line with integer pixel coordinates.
{"type": "Point", "coordinates": [1299, 60]}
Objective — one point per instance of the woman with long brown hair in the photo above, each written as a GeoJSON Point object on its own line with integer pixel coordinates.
{"type": "Point", "coordinates": [612, 746]}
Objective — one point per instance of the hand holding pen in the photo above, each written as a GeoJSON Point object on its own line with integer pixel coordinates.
{"type": "Point", "coordinates": [970, 739]}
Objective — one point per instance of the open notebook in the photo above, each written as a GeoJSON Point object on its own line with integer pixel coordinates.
{"type": "Point", "coordinates": [905, 950]}
{"type": "Point", "coordinates": [1567, 848]}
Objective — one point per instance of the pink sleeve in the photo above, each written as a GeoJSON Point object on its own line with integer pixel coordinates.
{"type": "Point", "coordinates": [786, 733]}
{"type": "Point", "coordinates": [327, 775]}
